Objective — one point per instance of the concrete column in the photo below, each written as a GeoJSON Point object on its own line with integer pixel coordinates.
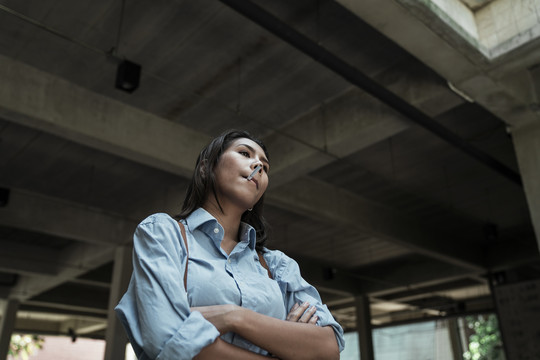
{"type": "Point", "coordinates": [115, 336]}
{"type": "Point", "coordinates": [363, 326]}
{"type": "Point", "coordinates": [7, 324]}
{"type": "Point", "coordinates": [527, 144]}
{"type": "Point", "coordinates": [455, 340]}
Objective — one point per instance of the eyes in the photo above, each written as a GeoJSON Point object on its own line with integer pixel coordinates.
{"type": "Point", "coordinates": [248, 155]}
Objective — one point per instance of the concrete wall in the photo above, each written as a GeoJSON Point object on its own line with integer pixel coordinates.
{"type": "Point", "coordinates": [502, 20]}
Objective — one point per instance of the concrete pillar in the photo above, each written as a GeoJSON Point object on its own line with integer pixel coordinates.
{"type": "Point", "coordinates": [455, 339]}
{"type": "Point", "coordinates": [527, 144]}
{"type": "Point", "coordinates": [519, 318]}
{"type": "Point", "coordinates": [7, 324]}
{"type": "Point", "coordinates": [363, 326]}
{"type": "Point", "coordinates": [115, 336]}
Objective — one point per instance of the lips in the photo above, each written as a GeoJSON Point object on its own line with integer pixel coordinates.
{"type": "Point", "coordinates": [256, 182]}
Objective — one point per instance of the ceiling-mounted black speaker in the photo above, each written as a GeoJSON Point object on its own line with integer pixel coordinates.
{"type": "Point", "coordinates": [127, 76]}
{"type": "Point", "coordinates": [4, 197]}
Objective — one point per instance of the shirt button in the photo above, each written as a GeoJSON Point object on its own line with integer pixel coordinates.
{"type": "Point", "coordinates": [216, 230]}
{"type": "Point", "coordinates": [229, 261]}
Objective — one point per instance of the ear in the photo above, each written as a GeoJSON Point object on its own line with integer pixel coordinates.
{"type": "Point", "coordinates": [202, 169]}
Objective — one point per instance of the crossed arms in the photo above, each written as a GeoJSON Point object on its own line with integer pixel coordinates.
{"type": "Point", "coordinates": [296, 338]}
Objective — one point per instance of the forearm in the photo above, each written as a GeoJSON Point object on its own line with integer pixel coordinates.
{"type": "Point", "coordinates": [220, 349]}
{"type": "Point", "coordinates": [286, 339]}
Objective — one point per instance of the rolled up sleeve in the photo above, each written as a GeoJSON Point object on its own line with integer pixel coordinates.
{"type": "Point", "coordinates": [155, 311]}
{"type": "Point", "coordinates": [296, 290]}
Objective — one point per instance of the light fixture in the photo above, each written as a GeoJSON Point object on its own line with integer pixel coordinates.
{"type": "Point", "coordinates": [127, 76]}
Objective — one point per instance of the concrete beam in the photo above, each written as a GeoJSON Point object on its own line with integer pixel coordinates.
{"type": "Point", "coordinates": [383, 278]}
{"type": "Point", "coordinates": [43, 101]}
{"type": "Point", "coordinates": [317, 274]}
{"type": "Point", "coordinates": [399, 23]}
{"type": "Point", "coordinates": [499, 98]}
{"type": "Point", "coordinates": [343, 126]}
{"type": "Point", "coordinates": [26, 259]}
{"type": "Point", "coordinates": [320, 200]}
{"type": "Point", "coordinates": [82, 326]}
{"type": "Point", "coordinates": [27, 324]}
{"type": "Point", "coordinates": [53, 216]}
{"type": "Point", "coordinates": [76, 260]}
{"type": "Point", "coordinates": [99, 232]}
{"type": "Point", "coordinates": [354, 121]}
{"type": "Point", "coordinates": [489, 83]}
{"type": "Point", "coordinates": [33, 306]}
{"type": "Point", "coordinates": [515, 253]}
{"type": "Point", "coordinates": [409, 273]}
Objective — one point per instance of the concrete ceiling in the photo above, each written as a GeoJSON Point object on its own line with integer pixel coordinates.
{"type": "Point", "coordinates": [368, 201]}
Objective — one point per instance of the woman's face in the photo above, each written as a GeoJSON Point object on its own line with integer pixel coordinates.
{"type": "Point", "coordinates": [232, 170]}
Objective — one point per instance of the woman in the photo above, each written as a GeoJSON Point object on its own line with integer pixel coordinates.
{"type": "Point", "coordinates": [233, 305]}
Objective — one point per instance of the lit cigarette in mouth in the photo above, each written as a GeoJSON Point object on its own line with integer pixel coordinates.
{"type": "Point", "coordinates": [254, 172]}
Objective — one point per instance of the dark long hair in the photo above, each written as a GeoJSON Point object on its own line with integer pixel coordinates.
{"type": "Point", "coordinates": [203, 183]}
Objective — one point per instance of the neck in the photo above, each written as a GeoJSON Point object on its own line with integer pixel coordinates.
{"type": "Point", "coordinates": [228, 218]}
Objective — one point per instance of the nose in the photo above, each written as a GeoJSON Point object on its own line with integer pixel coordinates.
{"type": "Point", "coordinates": [257, 163]}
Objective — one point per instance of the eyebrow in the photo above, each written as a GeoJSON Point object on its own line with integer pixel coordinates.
{"type": "Point", "coordinates": [263, 159]}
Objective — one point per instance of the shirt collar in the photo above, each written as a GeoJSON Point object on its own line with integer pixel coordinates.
{"type": "Point", "coordinates": [248, 233]}
{"type": "Point", "coordinates": [201, 217]}
{"type": "Point", "coordinates": [198, 218]}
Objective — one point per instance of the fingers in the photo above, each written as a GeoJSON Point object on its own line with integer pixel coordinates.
{"type": "Point", "coordinates": [308, 314]}
{"type": "Point", "coordinates": [303, 313]}
{"type": "Point", "coordinates": [297, 311]}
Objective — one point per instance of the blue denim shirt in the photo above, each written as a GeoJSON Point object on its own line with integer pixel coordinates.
{"type": "Point", "coordinates": [155, 310]}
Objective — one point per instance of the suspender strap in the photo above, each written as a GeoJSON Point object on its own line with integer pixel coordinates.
{"type": "Point", "coordinates": [183, 229]}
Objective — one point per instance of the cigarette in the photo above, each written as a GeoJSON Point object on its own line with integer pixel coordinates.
{"type": "Point", "coordinates": [254, 172]}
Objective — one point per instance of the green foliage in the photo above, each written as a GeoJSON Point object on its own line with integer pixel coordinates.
{"type": "Point", "coordinates": [485, 342]}
{"type": "Point", "coordinates": [23, 346]}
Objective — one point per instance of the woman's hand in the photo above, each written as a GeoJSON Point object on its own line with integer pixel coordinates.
{"type": "Point", "coordinates": [303, 313]}
{"type": "Point", "coordinates": [221, 316]}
